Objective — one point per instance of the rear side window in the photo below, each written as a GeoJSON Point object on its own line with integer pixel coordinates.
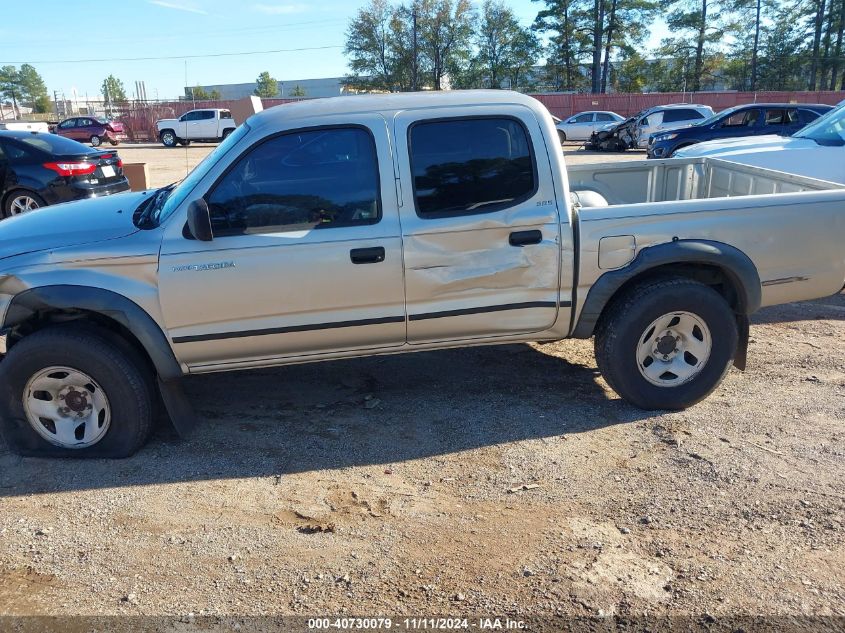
{"type": "Point", "coordinates": [466, 166]}
{"type": "Point", "coordinates": [18, 152]}
{"type": "Point", "coordinates": [225, 114]}
{"type": "Point", "coordinates": [681, 114]}
{"type": "Point", "coordinates": [310, 179]}
{"type": "Point", "coordinates": [204, 115]}
{"type": "Point", "coordinates": [803, 116]}
{"type": "Point", "coordinates": [601, 116]}
{"type": "Point", "coordinates": [55, 144]}
{"type": "Point", "coordinates": [775, 116]}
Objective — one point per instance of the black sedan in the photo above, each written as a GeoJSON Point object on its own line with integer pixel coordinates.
{"type": "Point", "coordinates": [38, 169]}
{"type": "Point", "coordinates": [755, 119]}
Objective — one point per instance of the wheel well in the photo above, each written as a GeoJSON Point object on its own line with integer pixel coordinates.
{"type": "Point", "coordinates": [9, 193]}
{"type": "Point", "coordinates": [100, 323]}
{"type": "Point", "coordinates": [167, 129]}
{"type": "Point", "coordinates": [709, 274]}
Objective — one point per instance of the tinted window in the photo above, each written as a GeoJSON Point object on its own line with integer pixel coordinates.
{"type": "Point", "coordinates": [602, 116]}
{"type": "Point", "coordinates": [470, 165]}
{"type": "Point", "coordinates": [54, 144]}
{"type": "Point", "coordinates": [191, 116]}
{"type": "Point", "coordinates": [803, 116]}
{"type": "Point", "coordinates": [584, 118]}
{"type": "Point", "coordinates": [743, 118]}
{"type": "Point", "coordinates": [312, 179]}
{"type": "Point", "coordinates": [204, 115]}
{"type": "Point", "coordinates": [775, 116]}
{"type": "Point", "coordinates": [17, 152]}
{"type": "Point", "coordinates": [681, 114]}
{"type": "Point", "coordinates": [67, 124]}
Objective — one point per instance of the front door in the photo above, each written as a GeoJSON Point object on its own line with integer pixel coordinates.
{"type": "Point", "coordinates": [481, 233]}
{"type": "Point", "coordinates": [306, 256]}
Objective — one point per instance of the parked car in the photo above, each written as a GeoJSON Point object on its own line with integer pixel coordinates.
{"type": "Point", "coordinates": [92, 129]}
{"type": "Point", "coordinates": [292, 242]}
{"type": "Point", "coordinates": [208, 124]}
{"type": "Point", "coordinates": [633, 133]}
{"type": "Point", "coordinates": [28, 126]}
{"type": "Point", "coordinates": [817, 151]}
{"type": "Point", "coordinates": [783, 119]}
{"type": "Point", "coordinates": [38, 169]}
{"type": "Point", "coordinates": [580, 126]}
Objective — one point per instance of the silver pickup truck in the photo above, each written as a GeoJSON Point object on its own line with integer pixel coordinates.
{"type": "Point", "coordinates": [381, 224]}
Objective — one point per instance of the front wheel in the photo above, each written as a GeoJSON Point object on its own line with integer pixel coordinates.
{"type": "Point", "coordinates": [562, 136]}
{"type": "Point", "coordinates": [96, 141]}
{"type": "Point", "coordinates": [68, 392]}
{"type": "Point", "coordinates": [168, 138]}
{"type": "Point", "coordinates": [666, 344]}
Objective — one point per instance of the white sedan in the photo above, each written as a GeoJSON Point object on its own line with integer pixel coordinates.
{"type": "Point", "coordinates": [580, 126]}
{"type": "Point", "coordinates": [817, 150]}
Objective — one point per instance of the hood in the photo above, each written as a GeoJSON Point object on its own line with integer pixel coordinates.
{"type": "Point", "coordinates": [800, 156]}
{"type": "Point", "coordinates": [69, 224]}
{"type": "Point", "coordinates": [769, 142]}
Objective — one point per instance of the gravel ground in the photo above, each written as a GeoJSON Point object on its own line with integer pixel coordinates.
{"type": "Point", "coordinates": [500, 481]}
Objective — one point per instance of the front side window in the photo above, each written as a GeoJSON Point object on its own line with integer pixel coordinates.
{"type": "Point", "coordinates": [464, 166]}
{"type": "Point", "coordinates": [311, 179]}
{"type": "Point", "coordinates": [67, 124]}
{"type": "Point", "coordinates": [584, 118]}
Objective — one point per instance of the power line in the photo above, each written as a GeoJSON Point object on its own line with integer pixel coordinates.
{"type": "Point", "coordinates": [143, 59]}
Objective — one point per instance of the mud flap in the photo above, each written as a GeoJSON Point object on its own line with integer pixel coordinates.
{"type": "Point", "coordinates": [178, 407]}
{"type": "Point", "coordinates": [741, 356]}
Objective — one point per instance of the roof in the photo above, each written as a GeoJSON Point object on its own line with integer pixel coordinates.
{"type": "Point", "coordinates": [393, 102]}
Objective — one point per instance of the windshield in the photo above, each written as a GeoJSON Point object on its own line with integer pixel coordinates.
{"type": "Point", "coordinates": [826, 130]}
{"type": "Point", "coordinates": [168, 204]}
{"type": "Point", "coordinates": [715, 117]}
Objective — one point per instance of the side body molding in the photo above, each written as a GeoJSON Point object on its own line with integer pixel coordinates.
{"type": "Point", "coordinates": [110, 304]}
{"type": "Point", "coordinates": [733, 263]}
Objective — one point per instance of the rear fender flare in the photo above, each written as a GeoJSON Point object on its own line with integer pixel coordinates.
{"type": "Point", "coordinates": [733, 263]}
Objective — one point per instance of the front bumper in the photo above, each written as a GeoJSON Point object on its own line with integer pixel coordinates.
{"type": "Point", "coordinates": [659, 150]}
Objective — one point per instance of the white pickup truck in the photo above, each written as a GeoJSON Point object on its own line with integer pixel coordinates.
{"type": "Point", "coordinates": [207, 124]}
{"type": "Point", "coordinates": [382, 224]}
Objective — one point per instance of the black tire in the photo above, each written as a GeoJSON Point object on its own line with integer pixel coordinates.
{"type": "Point", "coordinates": [562, 136]}
{"type": "Point", "coordinates": [226, 133]}
{"type": "Point", "coordinates": [96, 141]}
{"type": "Point", "coordinates": [17, 193]}
{"type": "Point", "coordinates": [121, 376]}
{"type": "Point", "coordinates": [624, 323]}
{"type": "Point", "coordinates": [184, 142]}
{"type": "Point", "coordinates": [168, 138]}
{"type": "Point", "coordinates": [114, 143]}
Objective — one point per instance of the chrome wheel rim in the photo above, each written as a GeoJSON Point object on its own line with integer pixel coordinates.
{"type": "Point", "coordinates": [66, 407]}
{"type": "Point", "coordinates": [674, 349]}
{"type": "Point", "coordinates": [95, 141]}
{"type": "Point", "coordinates": [167, 138]}
{"type": "Point", "coordinates": [22, 204]}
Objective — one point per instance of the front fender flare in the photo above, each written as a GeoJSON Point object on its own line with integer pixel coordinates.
{"type": "Point", "coordinates": [100, 301]}
{"type": "Point", "coordinates": [733, 263]}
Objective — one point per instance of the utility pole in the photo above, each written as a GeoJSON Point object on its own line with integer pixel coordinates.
{"type": "Point", "coordinates": [56, 102]}
{"type": "Point", "coordinates": [414, 82]}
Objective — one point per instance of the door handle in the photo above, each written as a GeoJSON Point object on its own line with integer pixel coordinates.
{"type": "Point", "coordinates": [372, 255]}
{"type": "Point", "coordinates": [524, 238]}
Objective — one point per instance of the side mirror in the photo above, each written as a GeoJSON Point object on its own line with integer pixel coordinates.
{"type": "Point", "coordinates": [199, 221]}
{"type": "Point", "coordinates": [570, 121]}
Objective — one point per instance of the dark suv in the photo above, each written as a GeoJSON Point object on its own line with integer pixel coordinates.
{"type": "Point", "coordinates": [783, 119]}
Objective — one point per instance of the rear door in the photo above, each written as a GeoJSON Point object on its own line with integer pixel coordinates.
{"type": "Point", "coordinates": [479, 224]}
{"type": "Point", "coordinates": [207, 125]}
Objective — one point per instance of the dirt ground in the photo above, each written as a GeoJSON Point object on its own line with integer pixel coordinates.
{"type": "Point", "coordinates": [503, 481]}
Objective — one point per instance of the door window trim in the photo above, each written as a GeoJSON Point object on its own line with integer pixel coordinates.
{"type": "Point", "coordinates": [487, 208]}
{"type": "Point", "coordinates": [312, 128]}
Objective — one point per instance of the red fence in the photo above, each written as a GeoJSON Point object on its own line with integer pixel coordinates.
{"type": "Point", "coordinates": [628, 104]}
{"type": "Point", "coordinates": [140, 118]}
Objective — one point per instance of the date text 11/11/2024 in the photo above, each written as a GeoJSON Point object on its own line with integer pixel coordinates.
{"type": "Point", "coordinates": [415, 624]}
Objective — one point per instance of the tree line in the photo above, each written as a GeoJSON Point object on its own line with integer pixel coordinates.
{"type": "Point", "coordinates": [598, 45]}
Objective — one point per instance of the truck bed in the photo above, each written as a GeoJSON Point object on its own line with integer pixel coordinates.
{"type": "Point", "coordinates": [677, 179]}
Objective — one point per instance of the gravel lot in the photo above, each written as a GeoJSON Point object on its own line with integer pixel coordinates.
{"type": "Point", "coordinates": [498, 481]}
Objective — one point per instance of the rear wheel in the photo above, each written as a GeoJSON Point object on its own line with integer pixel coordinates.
{"type": "Point", "coordinates": [114, 143]}
{"type": "Point", "coordinates": [68, 392]}
{"type": "Point", "coordinates": [21, 201]}
{"type": "Point", "coordinates": [226, 133]}
{"type": "Point", "coordinates": [184, 142]}
{"type": "Point", "coordinates": [168, 138]}
{"type": "Point", "coordinates": [666, 344]}
{"type": "Point", "coordinates": [562, 135]}
{"type": "Point", "coordinates": [96, 141]}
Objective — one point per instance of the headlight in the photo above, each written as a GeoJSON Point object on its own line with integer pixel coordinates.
{"type": "Point", "coordinates": [667, 137]}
